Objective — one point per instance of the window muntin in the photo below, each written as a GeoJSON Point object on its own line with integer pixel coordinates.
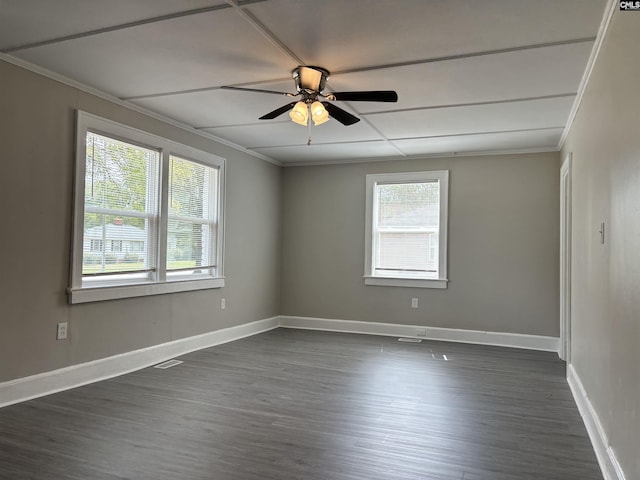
{"type": "Point", "coordinates": [125, 223]}
{"type": "Point", "coordinates": [407, 229]}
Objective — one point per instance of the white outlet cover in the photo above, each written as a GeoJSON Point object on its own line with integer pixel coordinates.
{"type": "Point", "coordinates": [61, 333]}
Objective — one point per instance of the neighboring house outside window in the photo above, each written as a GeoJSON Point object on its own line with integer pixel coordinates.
{"type": "Point", "coordinates": [148, 214]}
{"type": "Point", "coordinates": [119, 239]}
{"type": "Point", "coordinates": [406, 229]}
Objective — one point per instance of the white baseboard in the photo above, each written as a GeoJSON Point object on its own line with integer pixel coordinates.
{"type": "Point", "coordinates": [607, 459]}
{"type": "Point", "coordinates": [502, 339]}
{"type": "Point", "coordinates": [21, 389]}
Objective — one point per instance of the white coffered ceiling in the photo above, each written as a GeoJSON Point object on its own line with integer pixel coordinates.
{"type": "Point", "coordinates": [471, 75]}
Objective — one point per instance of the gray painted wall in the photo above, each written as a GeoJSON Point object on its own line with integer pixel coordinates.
{"type": "Point", "coordinates": [605, 302]}
{"type": "Point", "coordinates": [503, 246]}
{"type": "Point", "coordinates": [36, 139]}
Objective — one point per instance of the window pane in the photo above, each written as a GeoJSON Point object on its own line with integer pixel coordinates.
{"type": "Point", "coordinates": [407, 227]}
{"type": "Point", "coordinates": [114, 244]}
{"type": "Point", "coordinates": [409, 205]}
{"type": "Point", "coordinates": [189, 245]}
{"type": "Point", "coordinates": [190, 189]}
{"type": "Point", "coordinates": [192, 215]}
{"type": "Point", "coordinates": [117, 175]}
{"type": "Point", "coordinates": [409, 252]}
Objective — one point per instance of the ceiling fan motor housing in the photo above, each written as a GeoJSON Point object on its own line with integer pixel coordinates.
{"type": "Point", "coordinates": [310, 80]}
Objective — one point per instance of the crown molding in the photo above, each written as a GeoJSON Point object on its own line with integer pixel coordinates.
{"type": "Point", "coordinates": [595, 52]}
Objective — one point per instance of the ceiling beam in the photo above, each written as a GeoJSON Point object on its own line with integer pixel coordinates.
{"type": "Point", "coordinates": [466, 55]}
{"type": "Point", "coordinates": [264, 31]}
{"type": "Point", "coordinates": [471, 104]}
{"type": "Point", "coordinates": [520, 130]}
{"type": "Point", "coordinates": [391, 140]}
{"type": "Point", "coordinates": [402, 110]}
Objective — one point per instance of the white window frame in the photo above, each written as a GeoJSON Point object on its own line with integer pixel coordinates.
{"type": "Point", "coordinates": [372, 180]}
{"type": "Point", "coordinates": [131, 285]}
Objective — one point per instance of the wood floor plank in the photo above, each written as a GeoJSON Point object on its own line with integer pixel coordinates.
{"type": "Point", "coordinates": [294, 404]}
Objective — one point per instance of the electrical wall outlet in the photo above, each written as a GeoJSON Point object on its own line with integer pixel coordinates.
{"type": "Point", "coordinates": [61, 333]}
{"type": "Point", "coordinates": [414, 303]}
{"type": "Point", "coordinates": [223, 304]}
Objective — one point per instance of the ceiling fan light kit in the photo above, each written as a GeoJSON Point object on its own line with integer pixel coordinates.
{"type": "Point", "coordinates": [310, 83]}
{"type": "Point", "coordinates": [319, 113]}
{"type": "Point", "coordinates": [300, 114]}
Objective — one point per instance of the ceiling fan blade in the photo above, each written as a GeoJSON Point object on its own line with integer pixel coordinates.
{"type": "Point", "coordinates": [278, 111]}
{"type": "Point", "coordinates": [340, 115]}
{"type": "Point", "coordinates": [259, 90]}
{"type": "Point", "coordinates": [370, 96]}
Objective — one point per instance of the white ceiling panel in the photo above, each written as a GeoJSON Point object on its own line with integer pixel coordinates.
{"type": "Point", "coordinates": [527, 140]}
{"type": "Point", "coordinates": [330, 153]}
{"type": "Point", "coordinates": [29, 21]}
{"type": "Point", "coordinates": [474, 119]}
{"type": "Point", "coordinates": [217, 107]}
{"type": "Point", "coordinates": [211, 49]}
{"type": "Point", "coordinates": [341, 35]}
{"type": "Point", "coordinates": [522, 74]}
{"type": "Point", "coordinates": [272, 133]}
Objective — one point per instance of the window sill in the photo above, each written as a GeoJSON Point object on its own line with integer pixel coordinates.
{"type": "Point", "coordinates": [407, 282]}
{"type": "Point", "coordinates": [98, 294]}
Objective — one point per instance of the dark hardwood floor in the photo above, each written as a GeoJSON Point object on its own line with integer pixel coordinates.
{"type": "Point", "coordinates": [294, 404]}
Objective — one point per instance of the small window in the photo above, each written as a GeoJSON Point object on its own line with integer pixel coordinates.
{"type": "Point", "coordinates": [116, 245]}
{"type": "Point", "coordinates": [407, 229]}
{"type": "Point", "coordinates": [96, 245]}
{"type": "Point", "coordinates": [135, 246]}
{"type": "Point", "coordinates": [147, 216]}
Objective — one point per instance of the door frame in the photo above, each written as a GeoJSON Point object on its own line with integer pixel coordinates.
{"type": "Point", "coordinates": [565, 259]}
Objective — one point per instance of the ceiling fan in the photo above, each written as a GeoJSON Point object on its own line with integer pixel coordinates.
{"type": "Point", "coordinates": [310, 83]}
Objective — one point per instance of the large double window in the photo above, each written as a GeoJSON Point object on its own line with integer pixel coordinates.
{"type": "Point", "coordinates": [407, 229]}
{"type": "Point", "coordinates": [148, 214]}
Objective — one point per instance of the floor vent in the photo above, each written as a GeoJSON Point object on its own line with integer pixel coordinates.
{"type": "Point", "coordinates": [168, 364]}
{"type": "Point", "coordinates": [409, 340]}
